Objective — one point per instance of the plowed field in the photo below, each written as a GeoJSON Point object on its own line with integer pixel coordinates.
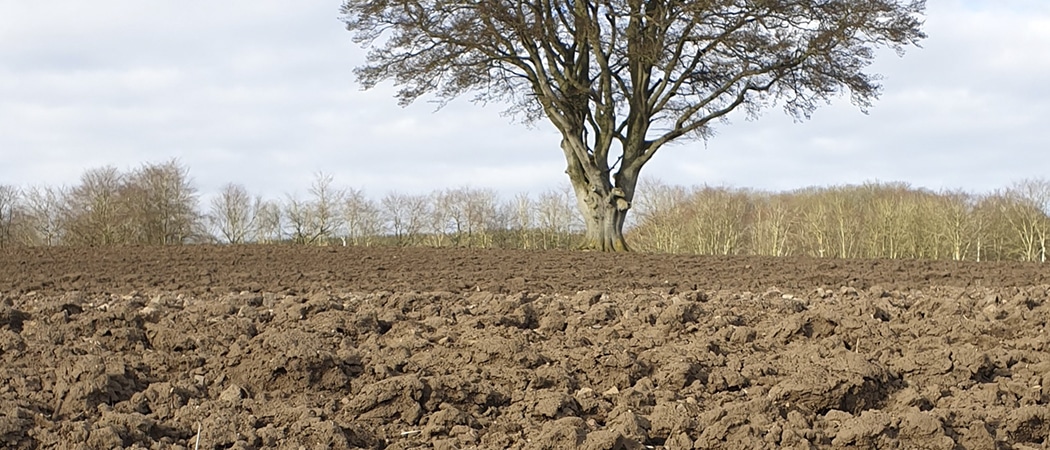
{"type": "Point", "coordinates": [288, 347]}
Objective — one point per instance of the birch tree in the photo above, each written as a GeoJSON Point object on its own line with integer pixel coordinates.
{"type": "Point", "coordinates": [405, 216]}
{"type": "Point", "coordinates": [9, 199]}
{"type": "Point", "coordinates": [318, 219]}
{"type": "Point", "coordinates": [42, 217]}
{"type": "Point", "coordinates": [1027, 214]}
{"type": "Point", "coordinates": [523, 220]}
{"type": "Point", "coordinates": [774, 223]}
{"type": "Point", "coordinates": [233, 213]}
{"type": "Point", "coordinates": [269, 225]}
{"type": "Point", "coordinates": [361, 218]}
{"type": "Point", "coordinates": [555, 218]}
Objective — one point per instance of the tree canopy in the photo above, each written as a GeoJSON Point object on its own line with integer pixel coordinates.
{"type": "Point", "coordinates": [620, 79]}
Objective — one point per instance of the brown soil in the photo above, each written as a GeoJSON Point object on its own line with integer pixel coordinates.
{"type": "Point", "coordinates": [291, 347]}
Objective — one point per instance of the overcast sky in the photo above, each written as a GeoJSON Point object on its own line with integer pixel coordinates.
{"type": "Point", "coordinates": [261, 93]}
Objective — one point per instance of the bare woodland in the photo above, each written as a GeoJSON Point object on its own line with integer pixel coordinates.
{"type": "Point", "coordinates": [873, 220]}
{"type": "Point", "coordinates": [157, 204]}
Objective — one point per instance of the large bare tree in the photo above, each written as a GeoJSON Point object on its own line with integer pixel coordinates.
{"type": "Point", "coordinates": [234, 213]}
{"type": "Point", "coordinates": [42, 223]}
{"type": "Point", "coordinates": [620, 79]}
{"type": "Point", "coordinates": [163, 204]}
{"type": "Point", "coordinates": [318, 220]}
{"type": "Point", "coordinates": [95, 212]}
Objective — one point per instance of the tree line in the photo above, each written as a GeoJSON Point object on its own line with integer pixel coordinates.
{"type": "Point", "coordinates": [157, 204]}
{"type": "Point", "coordinates": [871, 220]}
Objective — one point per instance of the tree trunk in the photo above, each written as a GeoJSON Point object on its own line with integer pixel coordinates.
{"type": "Point", "coordinates": [603, 201]}
{"type": "Point", "coordinates": [604, 211]}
